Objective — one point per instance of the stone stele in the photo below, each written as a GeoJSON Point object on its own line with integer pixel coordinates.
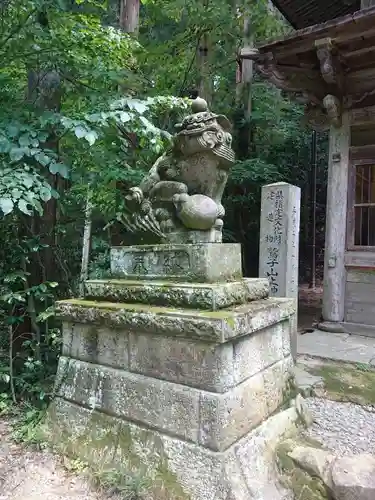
{"type": "Point", "coordinates": [175, 370]}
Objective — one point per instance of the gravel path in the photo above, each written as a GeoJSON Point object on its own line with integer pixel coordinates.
{"type": "Point", "coordinates": [34, 475]}
{"type": "Point", "coordinates": [345, 428]}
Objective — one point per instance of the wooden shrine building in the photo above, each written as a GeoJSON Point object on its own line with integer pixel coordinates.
{"type": "Point", "coordinates": [330, 68]}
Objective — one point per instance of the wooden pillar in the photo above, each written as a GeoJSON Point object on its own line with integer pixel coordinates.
{"type": "Point", "coordinates": [337, 187]}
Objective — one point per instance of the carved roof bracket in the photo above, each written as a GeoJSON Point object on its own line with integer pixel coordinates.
{"type": "Point", "coordinates": [291, 79]}
{"type": "Point", "coordinates": [330, 63]}
{"type": "Point", "coordinates": [318, 90]}
{"type": "Point", "coordinates": [333, 108]}
{"type": "Point", "coordinates": [326, 115]}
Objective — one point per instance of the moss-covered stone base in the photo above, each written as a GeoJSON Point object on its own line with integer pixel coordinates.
{"type": "Point", "coordinates": [216, 326]}
{"type": "Point", "coordinates": [304, 486]}
{"type": "Point", "coordinates": [210, 296]}
{"type": "Point", "coordinates": [174, 468]}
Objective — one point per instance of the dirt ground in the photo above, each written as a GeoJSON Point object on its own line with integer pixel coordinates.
{"type": "Point", "coordinates": [309, 306]}
{"type": "Point", "coordinates": [34, 475]}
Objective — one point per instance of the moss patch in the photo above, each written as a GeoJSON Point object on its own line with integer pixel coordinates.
{"type": "Point", "coordinates": [143, 308]}
{"type": "Point", "coordinates": [344, 382]}
{"type": "Point", "coordinates": [300, 482]}
{"type": "Point", "coordinates": [119, 456]}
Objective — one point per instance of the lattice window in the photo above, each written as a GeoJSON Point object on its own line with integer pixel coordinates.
{"type": "Point", "coordinates": [363, 206]}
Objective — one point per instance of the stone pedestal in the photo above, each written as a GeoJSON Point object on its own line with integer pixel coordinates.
{"type": "Point", "coordinates": [172, 370]}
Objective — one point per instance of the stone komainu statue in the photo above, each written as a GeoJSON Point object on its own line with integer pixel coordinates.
{"type": "Point", "coordinates": [179, 200]}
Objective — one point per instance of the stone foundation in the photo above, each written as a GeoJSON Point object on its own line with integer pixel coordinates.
{"type": "Point", "coordinates": [178, 392]}
{"type": "Point", "coordinates": [176, 469]}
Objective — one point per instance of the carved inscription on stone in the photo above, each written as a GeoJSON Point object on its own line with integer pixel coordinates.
{"type": "Point", "coordinates": [176, 262]}
{"type": "Point", "coordinates": [139, 266]}
{"type": "Point", "coordinates": [158, 263]}
{"type": "Point", "coordinates": [293, 285]}
{"type": "Point", "coordinates": [274, 237]}
{"type": "Point", "coordinates": [279, 238]}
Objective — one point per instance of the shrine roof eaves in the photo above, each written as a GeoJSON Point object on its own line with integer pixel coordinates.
{"type": "Point", "coordinates": [304, 13]}
{"type": "Point", "coordinates": [328, 67]}
{"type": "Point", "coordinates": [340, 28]}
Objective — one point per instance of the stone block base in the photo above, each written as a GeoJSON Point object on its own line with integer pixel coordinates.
{"type": "Point", "coordinates": [176, 372]}
{"type": "Point", "coordinates": [175, 469]}
{"type": "Point", "coordinates": [213, 420]}
{"type": "Point", "coordinates": [209, 296]}
{"type": "Point", "coordinates": [201, 263]}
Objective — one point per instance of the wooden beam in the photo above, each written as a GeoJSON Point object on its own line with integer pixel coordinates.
{"type": "Point", "coordinates": [341, 30]}
{"type": "Point", "coordinates": [249, 53]}
{"type": "Point", "coordinates": [362, 116]}
{"type": "Point", "coordinates": [359, 22]}
{"type": "Point", "coordinates": [362, 153]}
{"type": "Point", "coordinates": [360, 100]}
{"type": "Point", "coordinates": [360, 82]}
{"type": "Point", "coordinates": [307, 82]}
{"type": "Point", "coordinates": [324, 51]}
{"type": "Point", "coordinates": [363, 51]}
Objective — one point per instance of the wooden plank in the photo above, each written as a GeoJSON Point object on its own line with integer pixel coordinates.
{"type": "Point", "coordinates": [360, 293]}
{"type": "Point", "coordinates": [360, 276]}
{"type": "Point", "coordinates": [350, 223]}
{"type": "Point", "coordinates": [360, 100]}
{"type": "Point", "coordinates": [360, 303]}
{"type": "Point", "coordinates": [359, 329]}
{"type": "Point", "coordinates": [360, 314]}
{"type": "Point", "coordinates": [362, 116]}
{"type": "Point", "coordinates": [362, 153]}
{"type": "Point", "coordinates": [358, 47]}
{"type": "Point", "coordinates": [360, 62]}
{"type": "Point", "coordinates": [360, 259]}
{"type": "Point", "coordinates": [361, 80]}
{"type": "Point", "coordinates": [363, 135]}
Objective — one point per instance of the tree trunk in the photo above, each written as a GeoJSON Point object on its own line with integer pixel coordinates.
{"type": "Point", "coordinates": [129, 16]}
{"type": "Point", "coordinates": [204, 77]}
{"type": "Point", "coordinates": [243, 92]}
{"type": "Point", "coordinates": [129, 23]}
{"type": "Point", "coordinates": [86, 244]}
{"type": "Point", "coordinates": [44, 92]}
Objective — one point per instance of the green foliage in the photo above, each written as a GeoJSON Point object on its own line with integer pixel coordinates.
{"type": "Point", "coordinates": [74, 114]}
{"type": "Point", "coordinates": [24, 189]}
{"type": "Point", "coordinates": [28, 428]}
{"type": "Point", "coordinates": [126, 485]}
{"type": "Point", "coordinates": [28, 358]}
